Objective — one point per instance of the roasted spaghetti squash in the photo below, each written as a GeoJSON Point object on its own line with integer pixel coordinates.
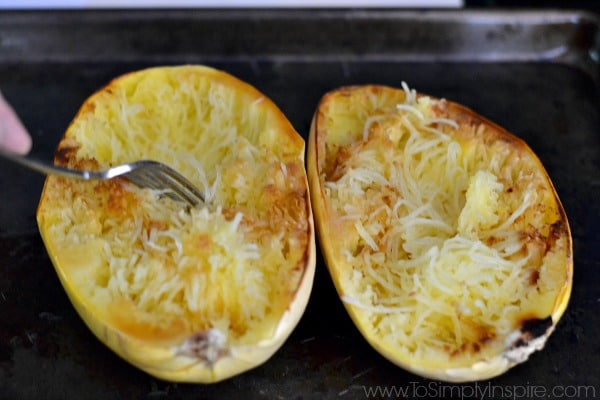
{"type": "Point", "coordinates": [443, 233]}
{"type": "Point", "coordinates": [186, 294]}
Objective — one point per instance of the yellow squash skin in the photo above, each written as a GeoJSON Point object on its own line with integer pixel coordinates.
{"type": "Point", "coordinates": [187, 295]}
{"type": "Point", "coordinates": [468, 322]}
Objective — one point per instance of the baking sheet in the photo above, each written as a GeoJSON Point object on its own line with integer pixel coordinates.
{"type": "Point", "coordinates": [535, 73]}
{"type": "Point", "coordinates": [54, 4]}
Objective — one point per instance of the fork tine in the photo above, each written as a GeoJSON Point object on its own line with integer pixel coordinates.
{"type": "Point", "coordinates": [181, 185]}
{"type": "Point", "coordinates": [154, 179]}
{"type": "Point", "coordinates": [155, 175]}
{"type": "Point", "coordinates": [143, 178]}
{"type": "Point", "coordinates": [157, 179]}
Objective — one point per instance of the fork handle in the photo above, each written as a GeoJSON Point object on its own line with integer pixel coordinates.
{"type": "Point", "coordinates": [50, 169]}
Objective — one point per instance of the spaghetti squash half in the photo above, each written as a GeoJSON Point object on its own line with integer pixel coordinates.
{"type": "Point", "coordinates": [442, 232]}
{"type": "Point", "coordinates": [186, 294]}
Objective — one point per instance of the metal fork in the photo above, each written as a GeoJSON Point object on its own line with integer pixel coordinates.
{"type": "Point", "coordinates": [144, 173]}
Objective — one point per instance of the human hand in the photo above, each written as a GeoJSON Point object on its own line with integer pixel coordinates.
{"type": "Point", "coordinates": [13, 135]}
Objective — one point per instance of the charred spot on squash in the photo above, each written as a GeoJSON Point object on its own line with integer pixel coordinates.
{"type": "Point", "coordinates": [536, 327]}
{"type": "Point", "coordinates": [208, 346]}
{"type": "Point", "coordinates": [65, 153]}
{"type": "Point", "coordinates": [557, 230]}
{"type": "Point", "coordinates": [336, 169]}
{"type": "Point", "coordinates": [531, 328]}
{"type": "Point", "coordinates": [467, 347]}
{"type": "Point", "coordinates": [480, 337]}
{"type": "Point", "coordinates": [534, 277]}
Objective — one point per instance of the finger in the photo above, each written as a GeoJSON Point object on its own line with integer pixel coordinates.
{"type": "Point", "coordinates": [13, 135]}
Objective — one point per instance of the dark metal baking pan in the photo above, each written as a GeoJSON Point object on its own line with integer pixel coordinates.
{"type": "Point", "coordinates": [535, 73]}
